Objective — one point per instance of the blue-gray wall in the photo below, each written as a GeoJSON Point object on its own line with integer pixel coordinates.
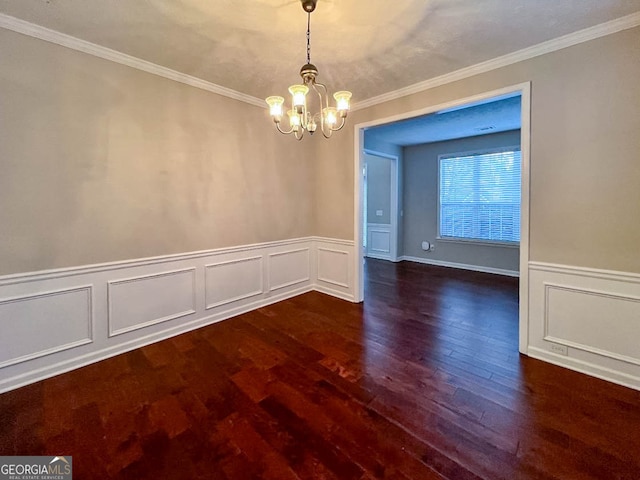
{"type": "Point", "coordinates": [420, 202]}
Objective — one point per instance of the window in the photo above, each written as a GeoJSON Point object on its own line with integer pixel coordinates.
{"type": "Point", "coordinates": [480, 196]}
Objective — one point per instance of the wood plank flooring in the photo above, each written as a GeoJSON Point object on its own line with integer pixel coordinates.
{"type": "Point", "coordinates": [422, 381]}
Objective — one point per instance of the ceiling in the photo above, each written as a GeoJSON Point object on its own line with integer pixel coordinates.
{"type": "Point", "coordinates": [370, 47]}
{"type": "Point", "coordinates": [481, 118]}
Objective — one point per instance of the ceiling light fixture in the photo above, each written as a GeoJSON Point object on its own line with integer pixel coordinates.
{"type": "Point", "coordinates": [301, 117]}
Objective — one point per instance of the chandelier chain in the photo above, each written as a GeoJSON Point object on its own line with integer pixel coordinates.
{"type": "Point", "coordinates": [308, 37]}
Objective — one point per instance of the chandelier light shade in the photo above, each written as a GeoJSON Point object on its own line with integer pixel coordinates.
{"type": "Point", "coordinates": [310, 107]}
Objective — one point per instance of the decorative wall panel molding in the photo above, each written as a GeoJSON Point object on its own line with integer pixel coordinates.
{"type": "Point", "coordinates": [56, 320]}
{"type": "Point", "coordinates": [594, 321]}
{"type": "Point", "coordinates": [587, 320]}
{"type": "Point", "coordinates": [146, 300]}
{"type": "Point", "coordinates": [233, 280]}
{"type": "Point", "coordinates": [289, 267]}
{"type": "Point", "coordinates": [333, 267]}
{"type": "Point", "coordinates": [44, 323]}
{"type": "Point", "coordinates": [378, 241]}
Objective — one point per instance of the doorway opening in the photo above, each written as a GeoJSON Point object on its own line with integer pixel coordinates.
{"type": "Point", "coordinates": [450, 110]}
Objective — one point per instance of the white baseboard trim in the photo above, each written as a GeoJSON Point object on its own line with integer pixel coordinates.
{"type": "Point", "coordinates": [587, 368]}
{"type": "Point", "coordinates": [462, 266]}
{"type": "Point", "coordinates": [58, 320]}
{"type": "Point", "coordinates": [334, 293]}
{"type": "Point", "coordinates": [378, 256]}
{"type": "Point", "coordinates": [93, 357]}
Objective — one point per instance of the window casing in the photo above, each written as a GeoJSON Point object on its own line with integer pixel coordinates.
{"type": "Point", "coordinates": [479, 196]}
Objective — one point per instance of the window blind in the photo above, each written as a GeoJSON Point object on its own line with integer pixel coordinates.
{"type": "Point", "coordinates": [480, 196]}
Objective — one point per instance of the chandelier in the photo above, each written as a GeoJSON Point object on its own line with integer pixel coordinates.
{"type": "Point", "coordinates": [301, 116]}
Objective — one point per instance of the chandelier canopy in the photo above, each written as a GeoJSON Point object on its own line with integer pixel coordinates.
{"type": "Point", "coordinates": [302, 116]}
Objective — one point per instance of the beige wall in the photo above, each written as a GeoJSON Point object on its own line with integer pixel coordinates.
{"type": "Point", "coordinates": [100, 162]}
{"type": "Point", "coordinates": [585, 167]}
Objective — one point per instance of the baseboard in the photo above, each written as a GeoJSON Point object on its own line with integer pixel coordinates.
{"type": "Point", "coordinates": [334, 293]}
{"type": "Point", "coordinates": [378, 256]}
{"type": "Point", "coordinates": [588, 368]}
{"type": "Point", "coordinates": [58, 320]}
{"type": "Point", "coordinates": [462, 266]}
{"type": "Point", "coordinates": [96, 356]}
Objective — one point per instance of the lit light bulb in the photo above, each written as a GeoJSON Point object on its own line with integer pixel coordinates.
{"type": "Point", "coordinates": [299, 93]}
{"type": "Point", "coordinates": [294, 119]}
{"type": "Point", "coordinates": [330, 116]}
{"type": "Point", "coordinates": [275, 107]}
{"type": "Point", "coordinates": [342, 102]}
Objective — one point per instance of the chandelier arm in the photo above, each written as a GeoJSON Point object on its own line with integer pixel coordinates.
{"type": "Point", "coordinates": [326, 95]}
{"type": "Point", "coordinates": [344, 120]}
{"type": "Point", "coordinates": [315, 89]}
{"type": "Point", "coordinates": [299, 137]}
{"type": "Point", "coordinates": [283, 131]}
{"type": "Point", "coordinates": [325, 135]}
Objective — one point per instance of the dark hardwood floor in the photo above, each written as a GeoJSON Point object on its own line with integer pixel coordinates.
{"type": "Point", "coordinates": [423, 381]}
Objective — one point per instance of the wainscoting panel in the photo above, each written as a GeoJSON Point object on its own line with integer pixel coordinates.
{"type": "Point", "coordinates": [139, 302]}
{"type": "Point", "coordinates": [58, 320]}
{"type": "Point", "coordinates": [587, 320]}
{"type": "Point", "coordinates": [44, 323]}
{"type": "Point", "coordinates": [379, 241]}
{"type": "Point", "coordinates": [594, 321]}
{"type": "Point", "coordinates": [334, 268]}
{"type": "Point", "coordinates": [233, 280]}
{"type": "Point", "coordinates": [288, 268]}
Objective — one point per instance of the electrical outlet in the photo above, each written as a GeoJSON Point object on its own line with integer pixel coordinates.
{"type": "Point", "coordinates": [559, 349]}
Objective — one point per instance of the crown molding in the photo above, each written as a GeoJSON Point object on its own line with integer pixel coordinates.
{"type": "Point", "coordinates": [575, 38]}
{"type": "Point", "coordinates": [36, 31]}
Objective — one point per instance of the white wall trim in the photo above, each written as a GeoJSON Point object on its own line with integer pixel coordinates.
{"type": "Point", "coordinates": [605, 363]}
{"type": "Point", "coordinates": [286, 268]}
{"type": "Point", "coordinates": [88, 289]}
{"type": "Point", "coordinates": [575, 38]}
{"type": "Point", "coordinates": [592, 313]}
{"type": "Point", "coordinates": [384, 233]}
{"type": "Point", "coordinates": [462, 266]}
{"type": "Point", "coordinates": [52, 36]}
{"type": "Point", "coordinates": [141, 262]}
{"type": "Point", "coordinates": [333, 292]}
{"type": "Point", "coordinates": [48, 371]}
{"type": "Point", "coordinates": [295, 281]}
{"type": "Point", "coordinates": [548, 287]}
{"type": "Point", "coordinates": [252, 293]}
{"type": "Point", "coordinates": [585, 272]}
{"type": "Point", "coordinates": [603, 373]}
{"type": "Point", "coordinates": [165, 318]}
{"type": "Point", "coordinates": [329, 280]}
{"type": "Point", "coordinates": [336, 241]}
